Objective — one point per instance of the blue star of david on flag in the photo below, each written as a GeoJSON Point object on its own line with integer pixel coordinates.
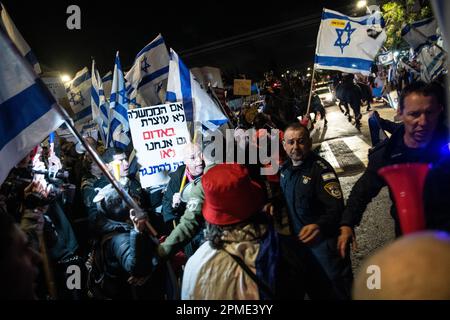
{"type": "Point", "coordinates": [134, 102]}
{"type": "Point", "coordinates": [340, 32]}
{"type": "Point", "coordinates": [76, 98]}
{"type": "Point", "coordinates": [144, 65]}
{"type": "Point", "coordinates": [122, 93]}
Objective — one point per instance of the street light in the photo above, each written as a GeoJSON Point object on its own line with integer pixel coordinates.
{"type": "Point", "coordinates": [65, 78]}
{"type": "Point", "coordinates": [361, 4]}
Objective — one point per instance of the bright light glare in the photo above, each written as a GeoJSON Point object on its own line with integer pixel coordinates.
{"type": "Point", "coordinates": [361, 4]}
{"type": "Point", "coordinates": [65, 78]}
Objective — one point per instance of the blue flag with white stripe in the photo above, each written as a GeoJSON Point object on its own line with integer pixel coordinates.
{"type": "Point", "coordinates": [79, 95]}
{"type": "Point", "coordinates": [147, 76]}
{"type": "Point", "coordinates": [198, 105]}
{"type": "Point", "coordinates": [100, 108]}
{"type": "Point", "coordinates": [13, 33]}
{"type": "Point", "coordinates": [118, 110]}
{"type": "Point", "coordinates": [27, 115]}
{"type": "Point", "coordinates": [348, 44]}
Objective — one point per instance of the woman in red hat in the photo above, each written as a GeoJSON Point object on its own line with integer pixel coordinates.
{"type": "Point", "coordinates": [243, 257]}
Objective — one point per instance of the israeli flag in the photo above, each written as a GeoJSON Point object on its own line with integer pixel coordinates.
{"type": "Point", "coordinates": [148, 73]}
{"type": "Point", "coordinates": [100, 108]}
{"type": "Point", "coordinates": [348, 44]}
{"type": "Point", "coordinates": [432, 62]}
{"type": "Point", "coordinates": [79, 94]}
{"type": "Point", "coordinates": [420, 33]}
{"type": "Point", "coordinates": [386, 58]}
{"type": "Point", "coordinates": [27, 115]}
{"type": "Point", "coordinates": [13, 33]}
{"type": "Point", "coordinates": [107, 84]}
{"type": "Point", "coordinates": [198, 105]}
{"type": "Point", "coordinates": [118, 110]}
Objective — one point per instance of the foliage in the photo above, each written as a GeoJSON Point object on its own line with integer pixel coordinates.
{"type": "Point", "coordinates": [398, 13]}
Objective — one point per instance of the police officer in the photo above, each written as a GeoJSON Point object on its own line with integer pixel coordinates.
{"type": "Point", "coordinates": [419, 139]}
{"type": "Point", "coordinates": [352, 95]}
{"type": "Point", "coordinates": [315, 202]}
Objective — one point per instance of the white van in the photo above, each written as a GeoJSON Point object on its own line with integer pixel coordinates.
{"type": "Point", "coordinates": [326, 96]}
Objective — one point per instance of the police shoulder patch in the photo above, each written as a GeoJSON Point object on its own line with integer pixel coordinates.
{"type": "Point", "coordinates": [328, 176]}
{"type": "Point", "coordinates": [333, 189]}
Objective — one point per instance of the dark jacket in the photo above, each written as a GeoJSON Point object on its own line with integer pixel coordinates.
{"type": "Point", "coordinates": [313, 194]}
{"type": "Point", "coordinates": [437, 196]}
{"type": "Point", "coordinates": [390, 151]}
{"type": "Point", "coordinates": [350, 93]}
{"type": "Point", "coordinates": [122, 248]}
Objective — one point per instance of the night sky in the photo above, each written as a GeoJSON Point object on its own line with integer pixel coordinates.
{"type": "Point", "coordinates": [129, 25]}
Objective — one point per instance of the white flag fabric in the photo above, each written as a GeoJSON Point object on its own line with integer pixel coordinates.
{"type": "Point", "coordinates": [13, 33]}
{"type": "Point", "coordinates": [118, 110]}
{"type": "Point", "coordinates": [208, 76]}
{"type": "Point", "coordinates": [147, 75]}
{"type": "Point", "coordinates": [27, 115]}
{"type": "Point", "coordinates": [420, 33]}
{"type": "Point", "coordinates": [100, 107]}
{"type": "Point", "coordinates": [198, 105]}
{"type": "Point", "coordinates": [348, 44]}
{"type": "Point", "coordinates": [107, 84]}
{"type": "Point", "coordinates": [79, 94]}
{"type": "Point", "coordinates": [432, 62]}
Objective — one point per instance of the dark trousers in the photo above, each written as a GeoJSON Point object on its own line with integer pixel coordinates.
{"type": "Point", "coordinates": [338, 270]}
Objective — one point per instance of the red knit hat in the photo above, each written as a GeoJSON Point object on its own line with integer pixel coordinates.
{"type": "Point", "coordinates": [230, 195]}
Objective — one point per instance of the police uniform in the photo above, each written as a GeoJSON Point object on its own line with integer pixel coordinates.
{"type": "Point", "coordinates": [314, 196]}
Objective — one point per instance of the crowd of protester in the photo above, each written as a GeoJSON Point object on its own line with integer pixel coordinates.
{"type": "Point", "coordinates": [231, 233]}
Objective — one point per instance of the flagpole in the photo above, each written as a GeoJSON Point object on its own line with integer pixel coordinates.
{"type": "Point", "coordinates": [69, 122]}
{"type": "Point", "coordinates": [139, 213]}
{"type": "Point", "coordinates": [311, 90]}
{"type": "Point", "coordinates": [122, 192]}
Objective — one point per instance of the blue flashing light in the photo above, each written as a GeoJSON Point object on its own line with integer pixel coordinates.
{"type": "Point", "coordinates": [445, 150]}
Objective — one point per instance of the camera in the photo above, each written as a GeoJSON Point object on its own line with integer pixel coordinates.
{"type": "Point", "coordinates": [53, 175]}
